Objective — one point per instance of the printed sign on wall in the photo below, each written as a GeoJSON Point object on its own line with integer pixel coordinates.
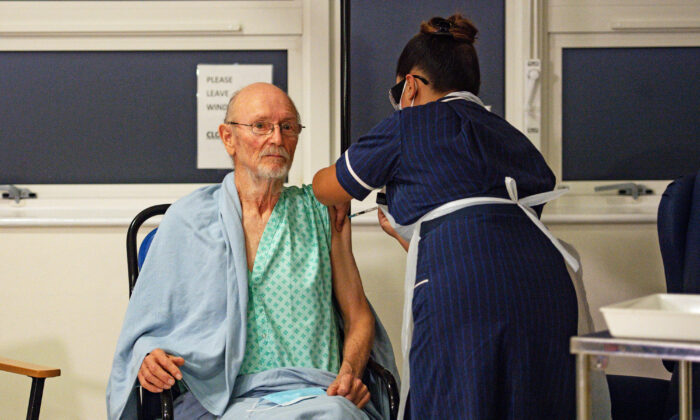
{"type": "Point", "coordinates": [216, 83]}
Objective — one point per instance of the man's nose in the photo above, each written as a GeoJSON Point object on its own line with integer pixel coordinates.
{"type": "Point", "coordinates": [276, 135]}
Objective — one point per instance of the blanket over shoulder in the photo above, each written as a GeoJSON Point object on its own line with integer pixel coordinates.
{"type": "Point", "coordinates": [182, 306]}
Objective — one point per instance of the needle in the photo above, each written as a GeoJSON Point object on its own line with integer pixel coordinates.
{"type": "Point", "coordinates": [363, 212]}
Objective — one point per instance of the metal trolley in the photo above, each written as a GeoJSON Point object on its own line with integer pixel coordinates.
{"type": "Point", "coordinates": [598, 346]}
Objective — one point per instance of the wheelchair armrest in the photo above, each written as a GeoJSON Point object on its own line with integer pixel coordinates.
{"type": "Point", "coordinates": [391, 386]}
{"type": "Point", "coordinates": [166, 405]}
{"type": "Point", "coordinates": [147, 407]}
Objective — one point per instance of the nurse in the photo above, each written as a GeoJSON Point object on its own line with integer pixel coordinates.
{"type": "Point", "coordinates": [489, 304]}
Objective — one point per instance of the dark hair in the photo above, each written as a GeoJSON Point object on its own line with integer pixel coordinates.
{"type": "Point", "coordinates": [444, 51]}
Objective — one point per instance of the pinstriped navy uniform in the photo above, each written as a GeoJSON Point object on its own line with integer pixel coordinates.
{"type": "Point", "coordinates": [493, 320]}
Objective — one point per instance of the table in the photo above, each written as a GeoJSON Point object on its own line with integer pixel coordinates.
{"type": "Point", "coordinates": [602, 344]}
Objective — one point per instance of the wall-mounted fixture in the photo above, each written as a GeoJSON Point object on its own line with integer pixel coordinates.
{"type": "Point", "coordinates": [627, 188]}
{"type": "Point", "coordinates": [16, 193]}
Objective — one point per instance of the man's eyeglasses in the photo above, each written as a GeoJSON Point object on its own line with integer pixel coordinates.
{"type": "Point", "coordinates": [397, 90]}
{"type": "Point", "coordinates": [263, 128]}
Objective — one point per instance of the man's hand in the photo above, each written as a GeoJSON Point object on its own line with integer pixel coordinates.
{"type": "Point", "coordinates": [159, 371]}
{"type": "Point", "coordinates": [348, 386]}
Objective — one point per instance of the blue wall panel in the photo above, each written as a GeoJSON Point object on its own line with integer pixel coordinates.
{"type": "Point", "coordinates": [630, 113]}
{"type": "Point", "coordinates": [89, 117]}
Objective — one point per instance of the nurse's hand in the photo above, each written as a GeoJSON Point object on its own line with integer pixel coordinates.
{"type": "Point", "coordinates": [159, 371]}
{"type": "Point", "coordinates": [386, 226]}
{"type": "Point", "coordinates": [348, 386]}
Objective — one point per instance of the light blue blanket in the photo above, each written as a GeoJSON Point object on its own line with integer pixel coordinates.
{"type": "Point", "coordinates": [196, 307]}
{"type": "Point", "coordinates": [249, 404]}
{"type": "Point", "coordinates": [191, 307]}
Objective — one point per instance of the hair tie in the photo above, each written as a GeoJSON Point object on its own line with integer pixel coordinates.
{"type": "Point", "coordinates": [442, 26]}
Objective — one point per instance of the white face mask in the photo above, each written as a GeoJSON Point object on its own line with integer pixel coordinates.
{"type": "Point", "coordinates": [412, 100]}
{"type": "Point", "coordinates": [397, 106]}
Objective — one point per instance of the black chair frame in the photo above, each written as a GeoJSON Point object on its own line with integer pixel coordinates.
{"type": "Point", "coordinates": [166, 397]}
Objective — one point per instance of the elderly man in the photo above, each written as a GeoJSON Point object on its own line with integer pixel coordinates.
{"type": "Point", "coordinates": [235, 299]}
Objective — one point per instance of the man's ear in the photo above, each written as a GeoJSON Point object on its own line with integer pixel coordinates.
{"type": "Point", "coordinates": [227, 137]}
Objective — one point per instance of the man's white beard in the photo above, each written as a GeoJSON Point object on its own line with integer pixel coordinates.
{"type": "Point", "coordinates": [278, 172]}
{"type": "Point", "coordinates": [273, 173]}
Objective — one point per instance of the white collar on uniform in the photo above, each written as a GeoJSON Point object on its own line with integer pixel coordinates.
{"type": "Point", "coordinates": [462, 94]}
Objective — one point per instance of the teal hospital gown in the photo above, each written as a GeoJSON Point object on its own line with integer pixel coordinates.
{"type": "Point", "coordinates": [291, 322]}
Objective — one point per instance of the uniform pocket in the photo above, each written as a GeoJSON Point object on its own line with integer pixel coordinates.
{"type": "Point", "coordinates": [423, 319]}
{"type": "Point", "coordinates": [421, 301]}
{"type": "Point", "coordinates": [420, 283]}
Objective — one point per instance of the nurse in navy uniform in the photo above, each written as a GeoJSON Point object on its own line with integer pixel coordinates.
{"type": "Point", "coordinates": [489, 305]}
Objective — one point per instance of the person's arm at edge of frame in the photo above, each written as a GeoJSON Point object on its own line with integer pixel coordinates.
{"type": "Point", "coordinates": [386, 226]}
{"type": "Point", "coordinates": [328, 191]}
{"type": "Point", "coordinates": [358, 320]}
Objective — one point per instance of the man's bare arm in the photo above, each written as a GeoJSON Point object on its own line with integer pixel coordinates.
{"type": "Point", "coordinates": [358, 320]}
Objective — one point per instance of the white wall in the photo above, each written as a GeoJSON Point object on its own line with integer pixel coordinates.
{"type": "Point", "coordinates": [619, 262]}
{"type": "Point", "coordinates": [64, 293]}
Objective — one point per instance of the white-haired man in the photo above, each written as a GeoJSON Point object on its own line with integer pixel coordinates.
{"type": "Point", "coordinates": [234, 303]}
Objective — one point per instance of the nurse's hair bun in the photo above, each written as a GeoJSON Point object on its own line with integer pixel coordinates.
{"type": "Point", "coordinates": [456, 27]}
